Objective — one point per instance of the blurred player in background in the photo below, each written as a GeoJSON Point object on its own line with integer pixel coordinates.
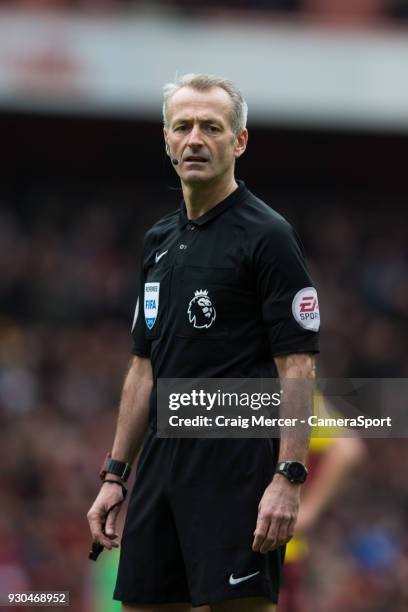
{"type": "Point", "coordinates": [331, 461]}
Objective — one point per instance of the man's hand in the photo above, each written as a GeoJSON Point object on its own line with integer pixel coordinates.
{"type": "Point", "coordinates": [277, 514]}
{"type": "Point", "coordinates": [109, 495]}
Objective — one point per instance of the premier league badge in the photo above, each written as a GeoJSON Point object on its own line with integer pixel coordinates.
{"type": "Point", "coordinates": [151, 303]}
{"type": "Point", "coordinates": [201, 311]}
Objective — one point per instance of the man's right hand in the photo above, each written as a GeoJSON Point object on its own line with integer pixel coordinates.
{"type": "Point", "coordinates": [109, 495]}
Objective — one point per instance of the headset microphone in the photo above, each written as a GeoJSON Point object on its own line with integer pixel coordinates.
{"type": "Point", "coordinates": [174, 161]}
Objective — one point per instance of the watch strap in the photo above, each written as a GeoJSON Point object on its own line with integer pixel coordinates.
{"type": "Point", "coordinates": [113, 466]}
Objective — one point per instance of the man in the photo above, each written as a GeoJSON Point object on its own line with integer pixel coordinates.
{"type": "Point", "coordinates": [226, 294]}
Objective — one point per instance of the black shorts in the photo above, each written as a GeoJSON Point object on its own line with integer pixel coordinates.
{"type": "Point", "coordinates": [189, 528]}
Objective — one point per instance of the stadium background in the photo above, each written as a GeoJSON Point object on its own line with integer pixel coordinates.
{"type": "Point", "coordinates": [83, 175]}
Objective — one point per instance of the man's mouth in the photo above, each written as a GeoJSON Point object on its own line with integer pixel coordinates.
{"type": "Point", "coordinates": [196, 158]}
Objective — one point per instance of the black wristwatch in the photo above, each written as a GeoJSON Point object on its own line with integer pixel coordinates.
{"type": "Point", "coordinates": [113, 466]}
{"type": "Point", "coordinates": [294, 471]}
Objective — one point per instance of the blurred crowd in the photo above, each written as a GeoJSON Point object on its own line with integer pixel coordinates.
{"type": "Point", "coordinates": [68, 277]}
{"type": "Point", "coordinates": [336, 10]}
{"type": "Point", "coordinates": [355, 11]}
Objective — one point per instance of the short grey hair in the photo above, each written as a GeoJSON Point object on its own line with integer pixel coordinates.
{"type": "Point", "coordinates": [204, 82]}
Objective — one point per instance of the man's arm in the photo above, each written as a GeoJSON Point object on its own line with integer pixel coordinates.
{"type": "Point", "coordinates": [130, 430]}
{"type": "Point", "coordinates": [279, 506]}
{"type": "Point", "coordinates": [133, 410]}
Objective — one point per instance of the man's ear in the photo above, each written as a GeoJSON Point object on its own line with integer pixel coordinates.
{"type": "Point", "coordinates": [166, 144]}
{"type": "Point", "coordinates": [241, 141]}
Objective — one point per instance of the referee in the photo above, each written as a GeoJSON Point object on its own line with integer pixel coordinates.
{"type": "Point", "coordinates": [224, 293]}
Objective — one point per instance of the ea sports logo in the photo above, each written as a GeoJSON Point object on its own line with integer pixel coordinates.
{"type": "Point", "coordinates": [305, 309]}
{"type": "Point", "coordinates": [201, 312]}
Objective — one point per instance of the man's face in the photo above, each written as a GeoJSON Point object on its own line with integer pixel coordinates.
{"type": "Point", "coordinates": [199, 134]}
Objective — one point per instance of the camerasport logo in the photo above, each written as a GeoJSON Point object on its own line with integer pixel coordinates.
{"type": "Point", "coordinates": [305, 309]}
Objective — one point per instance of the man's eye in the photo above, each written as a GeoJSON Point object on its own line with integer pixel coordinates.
{"type": "Point", "coordinates": [180, 128]}
{"type": "Point", "coordinates": [212, 128]}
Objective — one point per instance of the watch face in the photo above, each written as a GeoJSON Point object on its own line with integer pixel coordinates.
{"type": "Point", "coordinates": [296, 470]}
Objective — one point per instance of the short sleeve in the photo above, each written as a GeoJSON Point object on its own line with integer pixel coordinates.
{"type": "Point", "coordinates": [289, 302]}
{"type": "Point", "coordinates": [141, 345]}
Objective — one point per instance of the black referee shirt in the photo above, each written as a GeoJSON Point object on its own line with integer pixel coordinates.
{"type": "Point", "coordinates": [222, 295]}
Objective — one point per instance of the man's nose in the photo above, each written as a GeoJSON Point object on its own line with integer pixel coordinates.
{"type": "Point", "coordinates": [195, 138]}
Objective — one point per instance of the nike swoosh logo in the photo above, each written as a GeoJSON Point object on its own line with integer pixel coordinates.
{"type": "Point", "coordinates": [234, 581]}
{"type": "Point", "coordinates": [158, 257]}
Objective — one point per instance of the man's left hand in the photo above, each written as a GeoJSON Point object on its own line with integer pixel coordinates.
{"type": "Point", "coordinates": [277, 514]}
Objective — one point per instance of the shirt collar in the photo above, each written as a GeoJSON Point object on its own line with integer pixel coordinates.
{"type": "Point", "coordinates": [233, 198]}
